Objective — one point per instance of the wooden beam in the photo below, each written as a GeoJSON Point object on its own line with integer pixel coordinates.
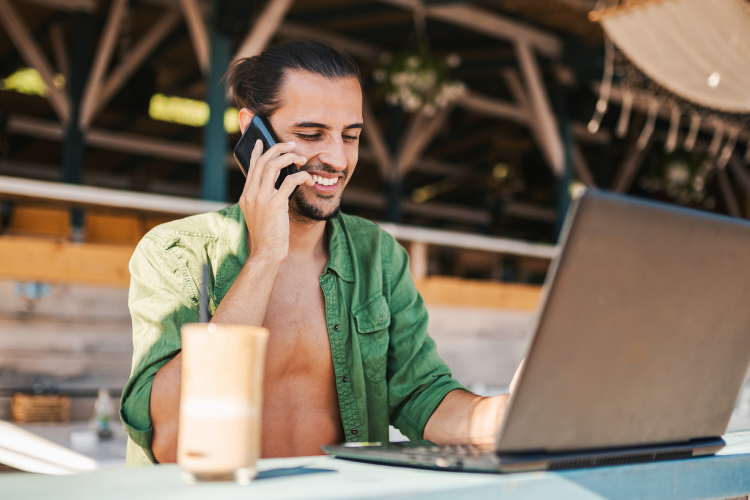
{"type": "Point", "coordinates": [19, 33]}
{"type": "Point", "coordinates": [67, 5]}
{"type": "Point", "coordinates": [140, 145]}
{"type": "Point", "coordinates": [356, 48]}
{"type": "Point", "coordinates": [742, 176]}
{"type": "Point", "coordinates": [264, 28]}
{"type": "Point", "coordinates": [198, 34]}
{"type": "Point", "coordinates": [103, 55]}
{"type": "Point", "coordinates": [62, 262]}
{"type": "Point", "coordinates": [34, 127]}
{"type": "Point", "coordinates": [493, 107]}
{"type": "Point", "coordinates": [146, 146]}
{"type": "Point", "coordinates": [629, 167]}
{"type": "Point", "coordinates": [582, 133]}
{"type": "Point", "coordinates": [77, 195]}
{"type": "Point", "coordinates": [513, 82]}
{"type": "Point", "coordinates": [543, 116]}
{"type": "Point", "coordinates": [730, 199]}
{"type": "Point", "coordinates": [581, 166]}
{"type": "Point", "coordinates": [515, 87]}
{"type": "Point", "coordinates": [372, 199]}
{"type": "Point", "coordinates": [50, 261]}
{"type": "Point", "coordinates": [114, 141]}
{"type": "Point", "coordinates": [530, 211]}
{"type": "Point", "coordinates": [488, 23]}
{"type": "Point", "coordinates": [130, 143]}
{"type": "Point", "coordinates": [424, 165]}
{"type": "Point", "coordinates": [60, 51]}
{"type": "Point", "coordinates": [457, 292]}
{"type": "Point", "coordinates": [375, 139]}
{"type": "Point", "coordinates": [133, 60]}
{"type": "Point", "coordinates": [469, 241]}
{"type": "Point", "coordinates": [441, 168]}
{"type": "Point", "coordinates": [419, 135]}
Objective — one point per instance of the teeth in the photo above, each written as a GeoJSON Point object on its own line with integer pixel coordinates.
{"type": "Point", "coordinates": [325, 181]}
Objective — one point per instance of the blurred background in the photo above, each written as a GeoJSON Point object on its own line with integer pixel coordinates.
{"type": "Point", "coordinates": [482, 120]}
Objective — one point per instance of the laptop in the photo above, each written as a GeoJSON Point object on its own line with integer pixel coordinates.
{"type": "Point", "coordinates": [640, 346]}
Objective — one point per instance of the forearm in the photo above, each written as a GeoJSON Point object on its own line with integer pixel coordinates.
{"type": "Point", "coordinates": [245, 304]}
{"type": "Point", "coordinates": [463, 417]}
{"type": "Point", "coordinates": [164, 407]}
{"type": "Point", "coordinates": [247, 300]}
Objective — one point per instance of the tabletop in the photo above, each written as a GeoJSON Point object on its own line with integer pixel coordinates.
{"type": "Point", "coordinates": [725, 475]}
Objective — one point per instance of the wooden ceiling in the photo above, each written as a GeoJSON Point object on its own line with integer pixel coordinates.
{"type": "Point", "coordinates": [467, 147]}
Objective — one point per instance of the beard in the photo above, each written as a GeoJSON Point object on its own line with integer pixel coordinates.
{"type": "Point", "coordinates": [304, 210]}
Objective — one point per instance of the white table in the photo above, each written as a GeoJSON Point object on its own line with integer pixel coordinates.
{"type": "Point", "coordinates": [725, 475]}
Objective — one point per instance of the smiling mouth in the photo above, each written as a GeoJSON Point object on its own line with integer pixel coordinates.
{"type": "Point", "coordinates": [325, 181]}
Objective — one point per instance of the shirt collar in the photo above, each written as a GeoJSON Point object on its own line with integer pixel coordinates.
{"type": "Point", "coordinates": [339, 255]}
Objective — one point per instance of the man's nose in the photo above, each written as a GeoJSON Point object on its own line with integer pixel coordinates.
{"type": "Point", "coordinates": [334, 154]}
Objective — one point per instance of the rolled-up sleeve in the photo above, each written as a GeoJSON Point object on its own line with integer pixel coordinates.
{"type": "Point", "coordinates": [160, 302]}
{"type": "Point", "coordinates": [418, 379]}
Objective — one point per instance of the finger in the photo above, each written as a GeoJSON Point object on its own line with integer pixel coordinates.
{"type": "Point", "coordinates": [292, 181]}
{"type": "Point", "coordinates": [262, 163]}
{"type": "Point", "coordinates": [273, 168]}
{"type": "Point", "coordinates": [257, 151]}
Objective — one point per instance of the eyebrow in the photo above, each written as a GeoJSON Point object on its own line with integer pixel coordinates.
{"type": "Point", "coordinates": [325, 127]}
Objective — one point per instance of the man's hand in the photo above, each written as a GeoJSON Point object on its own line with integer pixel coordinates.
{"type": "Point", "coordinates": [465, 418]}
{"type": "Point", "coordinates": [266, 210]}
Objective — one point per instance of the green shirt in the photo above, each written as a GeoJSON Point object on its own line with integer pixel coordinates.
{"type": "Point", "coordinates": [386, 366]}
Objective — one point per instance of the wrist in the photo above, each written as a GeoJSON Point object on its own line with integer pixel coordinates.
{"type": "Point", "coordinates": [265, 260]}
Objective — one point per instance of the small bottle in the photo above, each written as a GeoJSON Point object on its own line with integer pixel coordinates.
{"type": "Point", "coordinates": [102, 416]}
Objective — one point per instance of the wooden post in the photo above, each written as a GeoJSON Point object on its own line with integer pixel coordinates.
{"type": "Point", "coordinates": [74, 149]}
{"type": "Point", "coordinates": [214, 172]}
{"type": "Point", "coordinates": [418, 260]}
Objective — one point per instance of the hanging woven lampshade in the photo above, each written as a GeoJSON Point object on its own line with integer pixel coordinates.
{"type": "Point", "coordinates": [697, 49]}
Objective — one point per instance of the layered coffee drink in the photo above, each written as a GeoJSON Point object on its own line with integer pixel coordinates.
{"type": "Point", "coordinates": [221, 401]}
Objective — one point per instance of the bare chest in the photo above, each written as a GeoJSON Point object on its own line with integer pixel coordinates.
{"type": "Point", "coordinates": [300, 402]}
{"type": "Point", "coordinates": [296, 320]}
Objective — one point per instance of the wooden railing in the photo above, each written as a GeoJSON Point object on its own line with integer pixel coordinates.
{"type": "Point", "coordinates": [116, 220]}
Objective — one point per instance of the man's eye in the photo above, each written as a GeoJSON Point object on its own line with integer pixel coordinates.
{"type": "Point", "coordinates": [308, 137]}
{"type": "Point", "coordinates": [350, 138]}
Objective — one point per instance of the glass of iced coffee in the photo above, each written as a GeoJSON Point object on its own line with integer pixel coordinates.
{"type": "Point", "coordinates": [221, 401]}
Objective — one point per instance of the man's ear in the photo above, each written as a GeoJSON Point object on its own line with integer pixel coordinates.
{"type": "Point", "coordinates": [246, 117]}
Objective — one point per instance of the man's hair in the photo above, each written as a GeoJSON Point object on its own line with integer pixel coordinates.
{"type": "Point", "coordinates": [255, 82]}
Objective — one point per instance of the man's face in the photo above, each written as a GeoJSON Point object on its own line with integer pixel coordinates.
{"type": "Point", "coordinates": [324, 119]}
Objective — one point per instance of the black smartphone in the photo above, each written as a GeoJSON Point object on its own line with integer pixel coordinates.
{"type": "Point", "coordinates": [259, 128]}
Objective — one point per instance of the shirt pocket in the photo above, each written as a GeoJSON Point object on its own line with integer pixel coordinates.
{"type": "Point", "coordinates": [372, 320]}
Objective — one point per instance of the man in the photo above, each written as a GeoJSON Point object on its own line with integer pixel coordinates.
{"type": "Point", "coordinates": [348, 351]}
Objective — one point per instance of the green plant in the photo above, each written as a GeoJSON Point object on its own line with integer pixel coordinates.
{"type": "Point", "coordinates": [417, 81]}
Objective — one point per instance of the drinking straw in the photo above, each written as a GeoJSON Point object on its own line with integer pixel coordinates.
{"type": "Point", "coordinates": [204, 296]}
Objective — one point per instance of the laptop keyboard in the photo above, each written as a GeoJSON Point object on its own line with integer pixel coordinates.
{"type": "Point", "coordinates": [448, 450]}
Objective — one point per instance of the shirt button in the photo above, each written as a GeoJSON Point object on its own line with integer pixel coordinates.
{"type": "Point", "coordinates": [355, 431]}
{"type": "Point", "coordinates": [336, 327]}
{"type": "Point", "coordinates": [344, 379]}
{"type": "Point", "coordinates": [381, 318]}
